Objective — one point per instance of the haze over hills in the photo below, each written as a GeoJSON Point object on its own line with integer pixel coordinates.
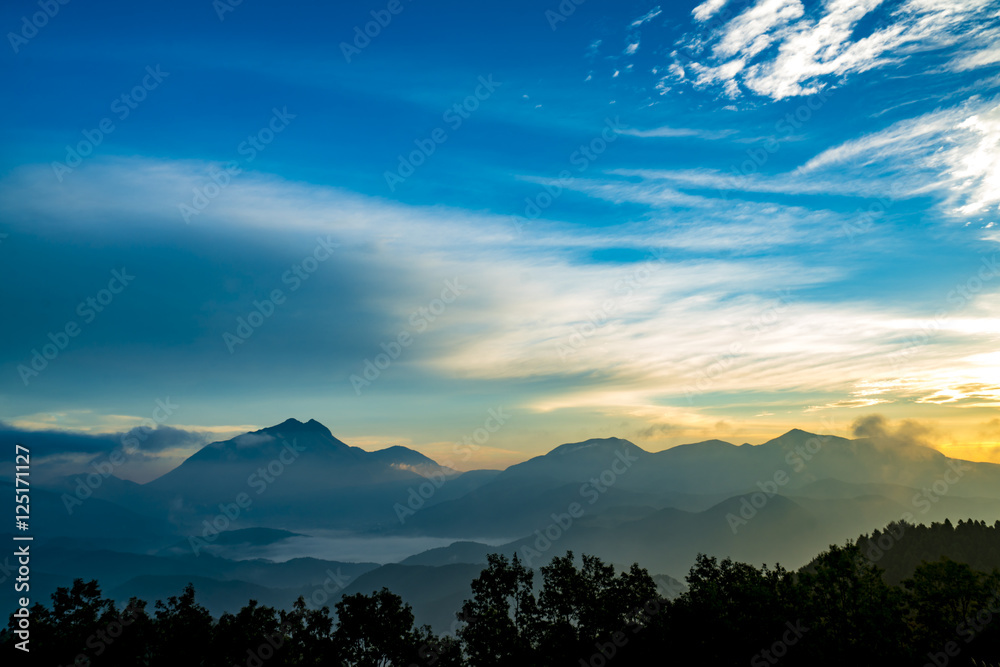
{"type": "Point", "coordinates": [296, 475]}
{"type": "Point", "coordinates": [272, 511]}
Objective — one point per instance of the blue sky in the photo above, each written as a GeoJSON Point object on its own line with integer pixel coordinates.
{"type": "Point", "coordinates": [662, 222]}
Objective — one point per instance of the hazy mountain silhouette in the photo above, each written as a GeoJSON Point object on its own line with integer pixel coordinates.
{"type": "Point", "coordinates": [297, 475]}
{"type": "Point", "coordinates": [784, 500]}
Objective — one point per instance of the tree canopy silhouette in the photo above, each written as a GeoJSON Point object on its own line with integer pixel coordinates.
{"type": "Point", "coordinates": [842, 608]}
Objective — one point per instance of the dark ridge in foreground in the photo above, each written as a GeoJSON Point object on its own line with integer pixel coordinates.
{"type": "Point", "coordinates": [839, 610]}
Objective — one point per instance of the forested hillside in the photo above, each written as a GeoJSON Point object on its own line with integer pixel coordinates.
{"type": "Point", "coordinates": [842, 609]}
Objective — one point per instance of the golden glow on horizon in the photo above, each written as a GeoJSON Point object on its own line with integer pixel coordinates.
{"type": "Point", "coordinates": [949, 423]}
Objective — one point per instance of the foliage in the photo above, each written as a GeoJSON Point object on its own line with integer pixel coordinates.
{"type": "Point", "coordinates": [840, 609]}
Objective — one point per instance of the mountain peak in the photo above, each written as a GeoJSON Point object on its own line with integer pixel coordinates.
{"type": "Point", "coordinates": [293, 425]}
{"type": "Point", "coordinates": [592, 444]}
{"type": "Point", "coordinates": [695, 450]}
{"type": "Point", "coordinates": [796, 435]}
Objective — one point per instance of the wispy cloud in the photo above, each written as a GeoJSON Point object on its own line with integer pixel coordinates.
{"type": "Point", "coordinates": [978, 58]}
{"type": "Point", "coordinates": [951, 153]}
{"type": "Point", "coordinates": [672, 132]}
{"type": "Point", "coordinates": [708, 9]}
{"type": "Point", "coordinates": [705, 286]}
{"type": "Point", "coordinates": [777, 49]}
{"type": "Point", "coordinates": [954, 150]}
{"type": "Point", "coordinates": [65, 448]}
{"type": "Point", "coordinates": [648, 16]}
{"type": "Point", "coordinates": [756, 28]}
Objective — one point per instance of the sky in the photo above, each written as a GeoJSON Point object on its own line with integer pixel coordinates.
{"type": "Point", "coordinates": [666, 223]}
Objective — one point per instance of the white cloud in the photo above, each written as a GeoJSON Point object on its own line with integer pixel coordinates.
{"type": "Point", "coordinates": [751, 32]}
{"type": "Point", "coordinates": [976, 59]}
{"type": "Point", "coordinates": [648, 16]}
{"type": "Point", "coordinates": [975, 167]}
{"type": "Point", "coordinates": [952, 153]}
{"type": "Point", "coordinates": [955, 151]}
{"type": "Point", "coordinates": [708, 9]}
{"type": "Point", "coordinates": [667, 322]}
{"type": "Point", "coordinates": [665, 131]}
{"type": "Point", "coordinates": [706, 223]}
{"type": "Point", "coordinates": [814, 49]}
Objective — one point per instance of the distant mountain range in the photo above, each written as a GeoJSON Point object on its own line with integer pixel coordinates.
{"type": "Point", "coordinates": [294, 475]}
{"type": "Point", "coordinates": [278, 488]}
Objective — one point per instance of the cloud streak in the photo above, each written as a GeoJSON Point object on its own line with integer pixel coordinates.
{"type": "Point", "coordinates": [776, 49]}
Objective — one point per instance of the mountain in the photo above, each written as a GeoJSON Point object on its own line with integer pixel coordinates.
{"type": "Point", "coordinates": [294, 475]}
{"type": "Point", "coordinates": [112, 489]}
{"type": "Point", "coordinates": [294, 491]}
{"type": "Point", "coordinates": [575, 462]}
{"type": "Point", "coordinates": [87, 521]}
{"type": "Point", "coordinates": [697, 476]}
{"type": "Point", "coordinates": [668, 540]}
{"type": "Point", "coordinates": [291, 452]}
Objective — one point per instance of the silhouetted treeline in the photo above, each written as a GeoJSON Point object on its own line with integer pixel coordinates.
{"type": "Point", "coordinates": [839, 610]}
{"type": "Point", "coordinates": [972, 542]}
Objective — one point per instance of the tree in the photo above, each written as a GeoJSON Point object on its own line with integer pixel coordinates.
{"type": "Point", "coordinates": [375, 630]}
{"type": "Point", "coordinates": [310, 635]}
{"type": "Point", "coordinates": [183, 630]}
{"type": "Point", "coordinates": [583, 610]}
{"type": "Point", "coordinates": [853, 616]}
{"type": "Point", "coordinates": [82, 627]}
{"type": "Point", "coordinates": [731, 612]}
{"type": "Point", "coordinates": [502, 619]}
{"type": "Point", "coordinates": [947, 599]}
{"type": "Point", "coordinates": [253, 632]}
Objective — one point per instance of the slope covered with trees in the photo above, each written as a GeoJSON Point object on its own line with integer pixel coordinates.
{"type": "Point", "coordinates": [840, 609]}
